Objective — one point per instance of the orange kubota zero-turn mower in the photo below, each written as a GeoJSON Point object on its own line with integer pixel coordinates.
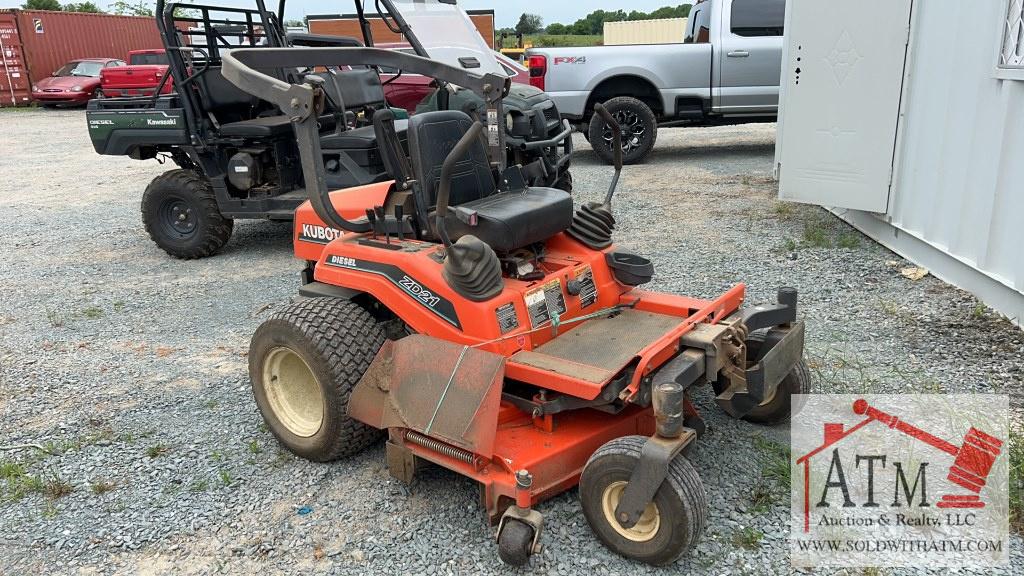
{"type": "Point", "coordinates": [484, 326]}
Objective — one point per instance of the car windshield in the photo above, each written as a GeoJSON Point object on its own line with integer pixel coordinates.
{"type": "Point", "coordinates": [448, 35]}
{"type": "Point", "coordinates": [80, 69]}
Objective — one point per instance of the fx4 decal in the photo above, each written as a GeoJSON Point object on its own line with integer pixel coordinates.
{"type": "Point", "coordinates": [570, 60]}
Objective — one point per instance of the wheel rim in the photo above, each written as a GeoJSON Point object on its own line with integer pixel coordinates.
{"type": "Point", "coordinates": [645, 528]}
{"type": "Point", "coordinates": [633, 130]}
{"type": "Point", "coordinates": [178, 219]}
{"type": "Point", "coordinates": [293, 392]}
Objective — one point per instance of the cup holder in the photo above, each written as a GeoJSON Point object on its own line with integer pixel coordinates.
{"type": "Point", "coordinates": [629, 268]}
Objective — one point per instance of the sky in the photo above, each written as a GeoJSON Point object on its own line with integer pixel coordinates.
{"type": "Point", "coordinates": [506, 13]}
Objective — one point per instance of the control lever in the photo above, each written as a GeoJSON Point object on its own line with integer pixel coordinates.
{"type": "Point", "coordinates": [399, 213]}
{"type": "Point", "coordinates": [372, 217]}
{"type": "Point", "coordinates": [383, 219]}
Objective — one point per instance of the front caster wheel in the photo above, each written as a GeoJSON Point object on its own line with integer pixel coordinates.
{"type": "Point", "coordinates": [515, 543]}
{"type": "Point", "coordinates": [672, 522]}
{"type": "Point", "coordinates": [304, 362]}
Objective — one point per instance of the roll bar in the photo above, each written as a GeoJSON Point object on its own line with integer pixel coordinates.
{"type": "Point", "coordinates": [304, 102]}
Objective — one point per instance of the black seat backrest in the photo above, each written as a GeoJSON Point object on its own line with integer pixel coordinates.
{"type": "Point", "coordinates": [227, 102]}
{"type": "Point", "coordinates": [359, 88]}
{"type": "Point", "coordinates": [432, 135]}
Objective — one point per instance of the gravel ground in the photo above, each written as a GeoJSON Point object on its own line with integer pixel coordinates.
{"type": "Point", "coordinates": [130, 367]}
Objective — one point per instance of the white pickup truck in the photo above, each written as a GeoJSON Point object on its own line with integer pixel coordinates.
{"type": "Point", "coordinates": [726, 71]}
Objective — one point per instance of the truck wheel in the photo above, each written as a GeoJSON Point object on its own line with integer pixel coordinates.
{"type": "Point", "coordinates": [670, 525]}
{"type": "Point", "coordinates": [181, 215]}
{"type": "Point", "coordinates": [639, 130]}
{"type": "Point", "coordinates": [304, 362]}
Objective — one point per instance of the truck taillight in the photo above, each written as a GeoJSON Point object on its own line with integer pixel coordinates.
{"type": "Point", "coordinates": [538, 69]}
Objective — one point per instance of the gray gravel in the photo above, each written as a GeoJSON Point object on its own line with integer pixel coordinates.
{"type": "Point", "coordinates": [131, 368]}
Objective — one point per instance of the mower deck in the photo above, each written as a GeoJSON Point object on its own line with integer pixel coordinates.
{"type": "Point", "coordinates": [598, 349]}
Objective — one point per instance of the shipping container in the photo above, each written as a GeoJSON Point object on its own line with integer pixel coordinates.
{"type": "Point", "coordinates": [904, 118]}
{"type": "Point", "coordinates": [662, 31]}
{"type": "Point", "coordinates": [35, 43]}
{"type": "Point", "coordinates": [348, 25]}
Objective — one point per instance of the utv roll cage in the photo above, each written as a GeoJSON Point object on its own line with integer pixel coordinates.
{"type": "Point", "coordinates": [304, 102]}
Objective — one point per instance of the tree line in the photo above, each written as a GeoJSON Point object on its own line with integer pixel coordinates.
{"type": "Point", "coordinates": [593, 23]}
{"type": "Point", "coordinates": [121, 7]}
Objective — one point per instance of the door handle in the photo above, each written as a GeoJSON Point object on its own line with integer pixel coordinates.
{"type": "Point", "coordinates": [738, 54]}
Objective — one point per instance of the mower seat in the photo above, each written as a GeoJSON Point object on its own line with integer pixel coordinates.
{"type": "Point", "coordinates": [506, 221]}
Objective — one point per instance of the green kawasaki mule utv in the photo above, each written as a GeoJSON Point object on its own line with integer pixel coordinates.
{"type": "Point", "coordinates": [236, 156]}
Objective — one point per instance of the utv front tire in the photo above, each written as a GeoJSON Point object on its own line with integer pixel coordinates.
{"type": "Point", "coordinates": [181, 215]}
{"type": "Point", "coordinates": [639, 130]}
{"type": "Point", "coordinates": [304, 362]}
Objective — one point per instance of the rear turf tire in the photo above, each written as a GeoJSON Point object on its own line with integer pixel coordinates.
{"type": "Point", "coordinates": [180, 213]}
{"type": "Point", "coordinates": [639, 130]}
{"type": "Point", "coordinates": [672, 523]}
{"type": "Point", "coordinates": [304, 362]}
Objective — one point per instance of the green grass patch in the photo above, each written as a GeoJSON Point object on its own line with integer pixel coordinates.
{"type": "Point", "coordinates": [101, 487]}
{"type": "Point", "coordinates": [199, 486]}
{"type": "Point", "coordinates": [254, 447]}
{"type": "Point", "coordinates": [225, 478]}
{"type": "Point", "coordinates": [57, 488]}
{"type": "Point", "coordinates": [815, 235]}
{"type": "Point", "coordinates": [776, 458]}
{"type": "Point", "coordinates": [92, 312]}
{"type": "Point", "coordinates": [156, 450]}
{"type": "Point", "coordinates": [848, 240]}
{"type": "Point", "coordinates": [748, 538]}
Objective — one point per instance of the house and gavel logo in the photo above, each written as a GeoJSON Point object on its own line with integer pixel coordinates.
{"type": "Point", "coordinates": [973, 461]}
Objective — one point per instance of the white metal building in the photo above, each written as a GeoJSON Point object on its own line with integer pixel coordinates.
{"type": "Point", "coordinates": [629, 32]}
{"type": "Point", "coordinates": [906, 119]}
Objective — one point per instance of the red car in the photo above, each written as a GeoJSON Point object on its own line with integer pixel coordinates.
{"type": "Point", "coordinates": [73, 83]}
{"type": "Point", "coordinates": [144, 72]}
{"type": "Point", "coordinates": [409, 90]}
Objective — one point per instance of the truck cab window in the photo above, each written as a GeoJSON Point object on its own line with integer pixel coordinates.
{"type": "Point", "coordinates": [698, 28]}
{"type": "Point", "coordinates": [758, 17]}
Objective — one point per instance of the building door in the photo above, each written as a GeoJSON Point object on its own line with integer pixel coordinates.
{"type": "Point", "coordinates": [839, 112]}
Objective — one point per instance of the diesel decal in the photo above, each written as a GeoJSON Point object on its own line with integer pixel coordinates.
{"type": "Point", "coordinates": [318, 234]}
{"type": "Point", "coordinates": [341, 261]}
{"type": "Point", "coordinates": [420, 293]}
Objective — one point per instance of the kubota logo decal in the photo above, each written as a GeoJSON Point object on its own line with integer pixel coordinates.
{"type": "Point", "coordinates": [570, 60]}
{"type": "Point", "coordinates": [318, 234]}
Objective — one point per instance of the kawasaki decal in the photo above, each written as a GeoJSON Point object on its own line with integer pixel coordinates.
{"type": "Point", "coordinates": [420, 293]}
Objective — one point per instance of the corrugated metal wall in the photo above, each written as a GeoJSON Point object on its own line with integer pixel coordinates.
{"type": "Point", "coordinates": [663, 31]}
{"type": "Point", "coordinates": [960, 165]}
{"type": "Point", "coordinates": [49, 39]}
{"type": "Point", "coordinates": [348, 25]}
{"type": "Point", "coordinates": [15, 86]}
